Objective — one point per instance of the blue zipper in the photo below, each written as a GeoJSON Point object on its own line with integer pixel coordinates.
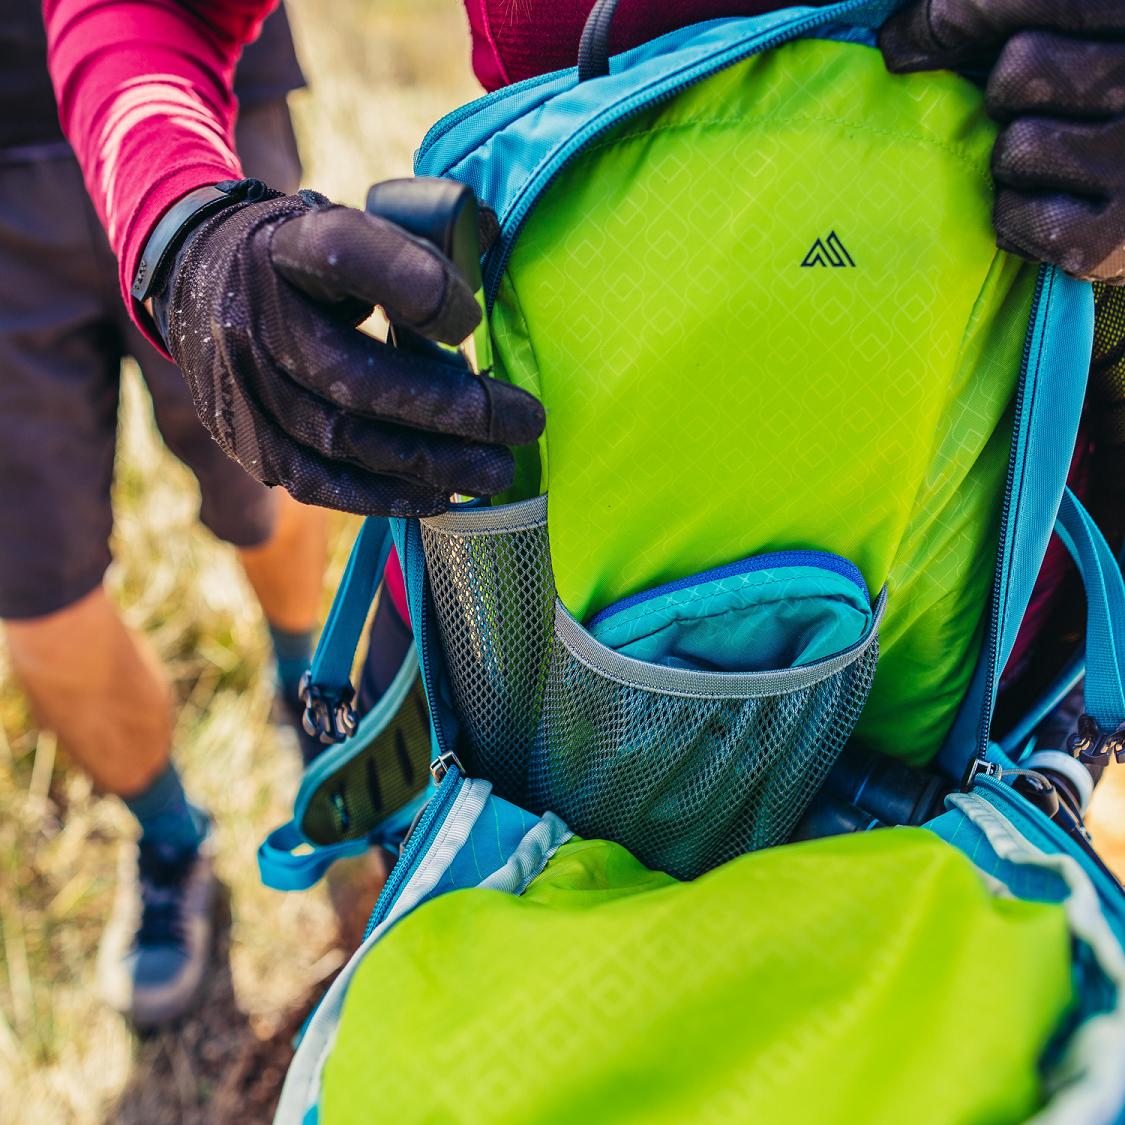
{"type": "Point", "coordinates": [820, 560]}
{"type": "Point", "coordinates": [497, 258]}
{"type": "Point", "coordinates": [424, 659]}
{"type": "Point", "coordinates": [462, 113]}
{"type": "Point", "coordinates": [1004, 548]}
{"type": "Point", "coordinates": [416, 846]}
{"type": "Point", "coordinates": [1041, 831]}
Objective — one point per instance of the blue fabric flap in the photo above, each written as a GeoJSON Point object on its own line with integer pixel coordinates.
{"type": "Point", "coordinates": [768, 612]}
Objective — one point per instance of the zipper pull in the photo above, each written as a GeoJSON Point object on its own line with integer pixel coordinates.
{"type": "Point", "coordinates": [441, 765]}
{"type": "Point", "coordinates": [981, 766]}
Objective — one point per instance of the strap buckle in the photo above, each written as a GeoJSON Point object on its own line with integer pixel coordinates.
{"type": "Point", "coordinates": [1094, 747]}
{"type": "Point", "coordinates": [329, 718]}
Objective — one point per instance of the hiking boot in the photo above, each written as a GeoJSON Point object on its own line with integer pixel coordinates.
{"type": "Point", "coordinates": [153, 957]}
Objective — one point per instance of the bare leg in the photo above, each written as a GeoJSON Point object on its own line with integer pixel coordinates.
{"type": "Point", "coordinates": [287, 572]}
{"type": "Point", "coordinates": [99, 687]}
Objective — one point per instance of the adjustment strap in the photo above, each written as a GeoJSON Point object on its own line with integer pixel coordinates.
{"type": "Point", "coordinates": [286, 862]}
{"type": "Point", "coordinates": [179, 220]}
{"type": "Point", "coordinates": [327, 690]}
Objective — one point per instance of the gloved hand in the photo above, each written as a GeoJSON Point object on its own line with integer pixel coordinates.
{"type": "Point", "coordinates": [1056, 79]}
{"type": "Point", "coordinates": [259, 310]}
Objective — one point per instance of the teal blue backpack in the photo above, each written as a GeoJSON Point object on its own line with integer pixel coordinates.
{"type": "Point", "coordinates": [722, 823]}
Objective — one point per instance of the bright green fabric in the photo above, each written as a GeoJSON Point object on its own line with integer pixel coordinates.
{"type": "Point", "coordinates": [758, 621]}
{"type": "Point", "coordinates": [708, 398]}
{"type": "Point", "coordinates": [866, 978]}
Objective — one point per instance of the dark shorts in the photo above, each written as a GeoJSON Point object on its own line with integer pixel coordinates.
{"type": "Point", "coordinates": [63, 334]}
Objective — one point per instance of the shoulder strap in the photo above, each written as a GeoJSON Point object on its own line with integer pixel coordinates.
{"type": "Point", "coordinates": [327, 689]}
{"type": "Point", "coordinates": [1105, 613]}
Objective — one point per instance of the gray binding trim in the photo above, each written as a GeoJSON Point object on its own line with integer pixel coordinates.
{"type": "Point", "coordinates": [692, 683]}
{"type": "Point", "coordinates": [530, 857]}
{"type": "Point", "coordinates": [302, 1081]}
{"type": "Point", "coordinates": [1088, 1082]}
{"type": "Point", "coordinates": [466, 521]}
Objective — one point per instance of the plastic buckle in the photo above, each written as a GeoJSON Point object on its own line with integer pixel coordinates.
{"type": "Point", "coordinates": [439, 767]}
{"type": "Point", "coordinates": [1092, 746]}
{"type": "Point", "coordinates": [327, 717]}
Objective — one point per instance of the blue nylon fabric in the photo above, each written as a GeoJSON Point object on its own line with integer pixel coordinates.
{"type": "Point", "coordinates": [335, 651]}
{"type": "Point", "coordinates": [1105, 612]}
{"type": "Point", "coordinates": [1059, 345]}
{"type": "Point", "coordinates": [824, 560]}
{"type": "Point", "coordinates": [281, 867]}
{"type": "Point", "coordinates": [741, 620]}
{"type": "Point", "coordinates": [492, 841]}
{"type": "Point", "coordinates": [287, 861]}
{"type": "Point", "coordinates": [1036, 884]}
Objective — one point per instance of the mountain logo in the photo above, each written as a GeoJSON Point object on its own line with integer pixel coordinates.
{"type": "Point", "coordinates": [828, 251]}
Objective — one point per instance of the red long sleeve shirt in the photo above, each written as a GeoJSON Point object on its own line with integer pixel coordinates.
{"type": "Point", "coordinates": [144, 86]}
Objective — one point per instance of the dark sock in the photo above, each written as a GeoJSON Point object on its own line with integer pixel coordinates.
{"type": "Point", "coordinates": [293, 653]}
{"type": "Point", "coordinates": [165, 814]}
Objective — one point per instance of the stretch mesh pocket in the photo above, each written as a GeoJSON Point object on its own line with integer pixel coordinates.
{"type": "Point", "coordinates": [494, 595]}
{"type": "Point", "coordinates": [688, 769]}
{"type": "Point", "coordinates": [685, 768]}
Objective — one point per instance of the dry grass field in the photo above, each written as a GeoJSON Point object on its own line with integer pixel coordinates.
{"type": "Point", "coordinates": [383, 71]}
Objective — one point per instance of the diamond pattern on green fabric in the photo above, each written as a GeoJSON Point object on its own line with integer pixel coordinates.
{"type": "Point", "coordinates": [708, 398]}
{"type": "Point", "coordinates": [839, 981]}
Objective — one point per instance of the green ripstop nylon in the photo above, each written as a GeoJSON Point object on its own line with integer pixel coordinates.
{"type": "Point", "coordinates": [845, 980]}
{"type": "Point", "coordinates": [710, 398]}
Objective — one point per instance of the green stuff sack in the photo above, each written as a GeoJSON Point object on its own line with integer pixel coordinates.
{"type": "Point", "coordinates": [770, 315]}
{"type": "Point", "coordinates": [840, 981]}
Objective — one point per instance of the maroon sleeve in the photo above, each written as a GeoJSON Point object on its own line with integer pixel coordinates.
{"type": "Point", "coordinates": [513, 41]}
{"type": "Point", "coordinates": [144, 93]}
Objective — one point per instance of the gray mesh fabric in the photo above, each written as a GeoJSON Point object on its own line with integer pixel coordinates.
{"type": "Point", "coordinates": [684, 778]}
{"type": "Point", "coordinates": [686, 769]}
{"type": "Point", "coordinates": [490, 572]}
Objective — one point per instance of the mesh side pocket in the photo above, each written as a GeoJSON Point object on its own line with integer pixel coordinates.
{"type": "Point", "coordinates": [494, 594]}
{"type": "Point", "coordinates": [688, 769]}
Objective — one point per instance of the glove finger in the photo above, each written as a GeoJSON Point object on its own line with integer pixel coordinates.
{"type": "Point", "coordinates": [1051, 155]}
{"type": "Point", "coordinates": [1065, 231]}
{"type": "Point", "coordinates": [960, 34]}
{"type": "Point", "coordinates": [348, 489]}
{"type": "Point", "coordinates": [327, 483]}
{"type": "Point", "coordinates": [1039, 72]}
{"type": "Point", "coordinates": [369, 378]}
{"type": "Point", "coordinates": [339, 253]}
{"type": "Point", "coordinates": [448, 464]}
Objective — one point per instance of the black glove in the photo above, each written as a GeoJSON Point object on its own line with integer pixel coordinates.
{"type": "Point", "coordinates": [1056, 78]}
{"type": "Point", "coordinates": [259, 310]}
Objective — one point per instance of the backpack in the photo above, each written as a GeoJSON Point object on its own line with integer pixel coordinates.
{"type": "Point", "coordinates": [750, 599]}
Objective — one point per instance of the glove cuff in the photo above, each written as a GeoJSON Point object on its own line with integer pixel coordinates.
{"type": "Point", "coordinates": [179, 221]}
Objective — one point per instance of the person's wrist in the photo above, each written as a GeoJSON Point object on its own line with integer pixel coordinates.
{"type": "Point", "coordinates": [172, 229]}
